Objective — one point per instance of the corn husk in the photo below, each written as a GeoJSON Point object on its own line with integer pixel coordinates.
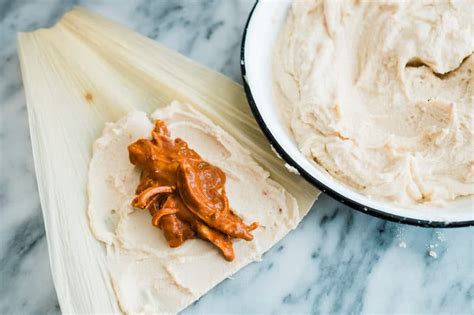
{"type": "Point", "coordinates": [88, 70]}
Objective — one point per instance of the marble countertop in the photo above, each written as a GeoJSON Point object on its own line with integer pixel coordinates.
{"type": "Point", "coordinates": [337, 260]}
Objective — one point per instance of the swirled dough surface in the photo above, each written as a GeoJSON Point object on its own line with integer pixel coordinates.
{"type": "Point", "coordinates": [380, 95]}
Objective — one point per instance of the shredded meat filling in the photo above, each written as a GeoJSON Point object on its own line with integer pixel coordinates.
{"type": "Point", "coordinates": [184, 194]}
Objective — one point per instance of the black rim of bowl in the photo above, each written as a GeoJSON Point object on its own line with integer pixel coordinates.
{"type": "Point", "coordinates": [314, 181]}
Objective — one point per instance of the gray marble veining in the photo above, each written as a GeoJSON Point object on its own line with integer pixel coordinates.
{"type": "Point", "coordinates": [336, 261]}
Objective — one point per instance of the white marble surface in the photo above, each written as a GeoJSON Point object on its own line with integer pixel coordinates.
{"type": "Point", "coordinates": [337, 261]}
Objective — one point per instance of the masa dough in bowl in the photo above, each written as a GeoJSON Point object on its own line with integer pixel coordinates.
{"type": "Point", "coordinates": [380, 95]}
{"type": "Point", "coordinates": [147, 275]}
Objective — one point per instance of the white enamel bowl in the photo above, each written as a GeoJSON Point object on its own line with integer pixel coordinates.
{"type": "Point", "coordinates": [260, 33]}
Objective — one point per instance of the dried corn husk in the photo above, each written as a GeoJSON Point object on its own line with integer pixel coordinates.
{"type": "Point", "coordinates": [83, 72]}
